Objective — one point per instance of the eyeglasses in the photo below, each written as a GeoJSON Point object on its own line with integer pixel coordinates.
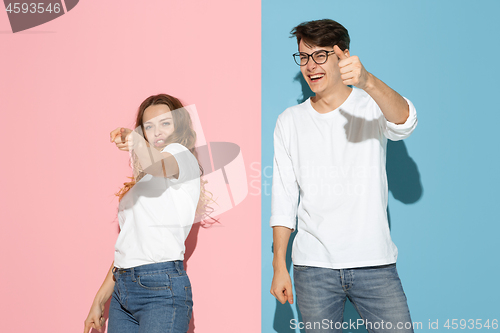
{"type": "Point", "coordinates": [319, 57]}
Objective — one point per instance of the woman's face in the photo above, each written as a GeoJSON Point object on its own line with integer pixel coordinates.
{"type": "Point", "coordinates": [158, 124]}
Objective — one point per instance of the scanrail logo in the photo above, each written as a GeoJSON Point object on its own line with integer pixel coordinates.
{"type": "Point", "coordinates": [28, 14]}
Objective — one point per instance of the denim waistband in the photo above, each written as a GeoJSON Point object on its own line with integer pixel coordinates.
{"type": "Point", "coordinates": [177, 265]}
{"type": "Point", "coordinates": [375, 267]}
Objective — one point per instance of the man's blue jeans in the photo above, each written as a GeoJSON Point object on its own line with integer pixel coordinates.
{"type": "Point", "coordinates": [151, 298]}
{"type": "Point", "coordinates": [375, 292]}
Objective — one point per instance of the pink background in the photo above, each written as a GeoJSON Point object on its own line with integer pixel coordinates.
{"type": "Point", "coordinates": [64, 86]}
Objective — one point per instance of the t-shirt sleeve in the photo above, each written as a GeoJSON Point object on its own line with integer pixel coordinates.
{"type": "Point", "coordinates": [188, 165]}
{"type": "Point", "coordinates": [396, 132]}
{"type": "Point", "coordinates": [285, 190]}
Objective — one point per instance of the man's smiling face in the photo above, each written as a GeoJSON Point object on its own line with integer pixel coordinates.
{"type": "Point", "coordinates": [323, 78]}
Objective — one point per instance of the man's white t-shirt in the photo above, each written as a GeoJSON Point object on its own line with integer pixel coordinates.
{"type": "Point", "coordinates": [335, 162]}
{"type": "Point", "coordinates": [157, 213]}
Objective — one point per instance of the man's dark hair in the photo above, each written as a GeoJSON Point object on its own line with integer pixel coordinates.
{"type": "Point", "coordinates": [324, 32]}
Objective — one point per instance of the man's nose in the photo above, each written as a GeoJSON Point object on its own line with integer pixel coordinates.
{"type": "Point", "coordinates": [311, 65]}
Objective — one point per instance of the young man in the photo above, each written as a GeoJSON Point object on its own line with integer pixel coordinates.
{"type": "Point", "coordinates": [331, 152]}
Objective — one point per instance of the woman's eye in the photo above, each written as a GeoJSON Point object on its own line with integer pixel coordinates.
{"type": "Point", "coordinates": [166, 123]}
{"type": "Point", "coordinates": [147, 127]}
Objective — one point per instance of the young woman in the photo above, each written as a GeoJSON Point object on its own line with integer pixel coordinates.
{"type": "Point", "coordinates": [147, 281]}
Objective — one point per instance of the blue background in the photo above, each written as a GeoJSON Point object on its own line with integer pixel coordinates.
{"type": "Point", "coordinates": [444, 179]}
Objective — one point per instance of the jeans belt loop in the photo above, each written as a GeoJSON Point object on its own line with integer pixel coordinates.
{"type": "Point", "coordinates": [177, 267]}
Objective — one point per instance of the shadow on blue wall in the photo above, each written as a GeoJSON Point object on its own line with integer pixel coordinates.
{"type": "Point", "coordinates": [404, 183]}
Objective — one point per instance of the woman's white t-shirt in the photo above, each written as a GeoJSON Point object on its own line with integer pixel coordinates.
{"type": "Point", "coordinates": [157, 213]}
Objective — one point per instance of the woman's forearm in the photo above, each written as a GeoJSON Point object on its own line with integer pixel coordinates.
{"type": "Point", "coordinates": [151, 160]}
{"type": "Point", "coordinates": [107, 287]}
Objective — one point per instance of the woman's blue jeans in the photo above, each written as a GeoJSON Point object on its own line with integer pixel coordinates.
{"type": "Point", "coordinates": [151, 298]}
{"type": "Point", "coordinates": [376, 293]}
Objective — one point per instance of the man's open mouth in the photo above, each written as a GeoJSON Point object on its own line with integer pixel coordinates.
{"type": "Point", "coordinates": [316, 77]}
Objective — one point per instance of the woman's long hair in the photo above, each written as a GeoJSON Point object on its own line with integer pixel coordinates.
{"type": "Point", "coordinates": [183, 134]}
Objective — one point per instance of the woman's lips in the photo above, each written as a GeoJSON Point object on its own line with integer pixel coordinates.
{"type": "Point", "coordinates": [159, 142]}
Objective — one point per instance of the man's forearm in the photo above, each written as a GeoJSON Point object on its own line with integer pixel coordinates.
{"type": "Point", "coordinates": [281, 236]}
{"type": "Point", "coordinates": [393, 105]}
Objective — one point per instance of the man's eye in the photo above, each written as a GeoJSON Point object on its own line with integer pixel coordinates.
{"type": "Point", "coordinates": [303, 57]}
{"type": "Point", "coordinates": [320, 56]}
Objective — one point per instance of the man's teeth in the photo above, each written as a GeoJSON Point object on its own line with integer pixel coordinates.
{"type": "Point", "coordinates": [317, 76]}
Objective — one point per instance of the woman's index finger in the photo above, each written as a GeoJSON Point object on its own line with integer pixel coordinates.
{"type": "Point", "coordinates": [114, 133]}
